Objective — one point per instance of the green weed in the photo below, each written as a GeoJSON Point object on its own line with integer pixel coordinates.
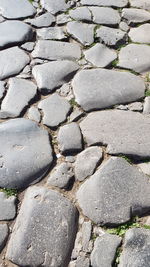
{"type": "Point", "coordinates": [9, 192]}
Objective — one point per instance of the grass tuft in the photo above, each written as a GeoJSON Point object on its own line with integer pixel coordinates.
{"type": "Point", "coordinates": [9, 192]}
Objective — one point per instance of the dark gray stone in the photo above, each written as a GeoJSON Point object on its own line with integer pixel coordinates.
{"type": "Point", "coordinates": [105, 15]}
{"type": "Point", "coordinates": [113, 3]}
{"type": "Point", "coordinates": [140, 34]}
{"type": "Point", "coordinates": [135, 16]}
{"type": "Point", "coordinates": [110, 36]}
{"type": "Point", "coordinates": [2, 88]}
{"type": "Point", "coordinates": [45, 20]}
{"type": "Point", "coordinates": [52, 33]}
{"type": "Point", "coordinates": [7, 206]}
{"type": "Point", "coordinates": [54, 6]}
{"type": "Point", "coordinates": [3, 235]}
{"type": "Point", "coordinates": [81, 13]}
{"type": "Point", "coordinates": [144, 4]}
{"type": "Point", "coordinates": [114, 193]}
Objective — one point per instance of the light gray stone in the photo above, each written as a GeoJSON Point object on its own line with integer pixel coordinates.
{"type": "Point", "coordinates": [84, 33]}
{"type": "Point", "coordinates": [3, 235]}
{"type": "Point", "coordinates": [136, 106]}
{"type": "Point", "coordinates": [86, 235]}
{"type": "Point", "coordinates": [146, 109]}
{"type": "Point", "coordinates": [113, 3]}
{"type": "Point", "coordinates": [135, 57]}
{"type": "Point", "coordinates": [34, 114]}
{"type": "Point", "coordinates": [2, 88]}
{"type": "Point", "coordinates": [109, 87]}
{"type": "Point", "coordinates": [82, 261]}
{"type": "Point", "coordinates": [140, 34]}
{"type": "Point", "coordinates": [55, 109]}
{"type": "Point", "coordinates": [87, 162]}
{"type": "Point", "coordinates": [44, 231]}
{"type": "Point", "coordinates": [76, 114]}
{"type": "Point", "coordinates": [124, 26]}
{"type": "Point", "coordinates": [115, 193]}
{"type": "Point", "coordinates": [104, 251]}
{"type": "Point", "coordinates": [69, 138]}
{"type": "Point", "coordinates": [29, 46]}
{"type": "Point", "coordinates": [52, 75]}
{"type": "Point", "coordinates": [144, 4]}
{"type": "Point", "coordinates": [61, 175]}
{"type": "Point", "coordinates": [13, 60]}
{"type": "Point", "coordinates": [62, 19]}
{"type": "Point", "coordinates": [19, 94]}
{"type": "Point", "coordinates": [54, 6]}
{"type": "Point", "coordinates": [136, 248]}
{"type": "Point", "coordinates": [119, 130]}
{"type": "Point", "coordinates": [135, 16]}
{"type": "Point", "coordinates": [55, 50]}
{"type": "Point", "coordinates": [81, 13]}
{"type": "Point", "coordinates": [110, 36]}
{"type": "Point", "coordinates": [45, 20]}
{"type": "Point", "coordinates": [105, 15]}
{"type": "Point", "coordinates": [52, 33]}
{"type": "Point", "coordinates": [15, 9]}
{"type": "Point", "coordinates": [8, 207]}
{"type": "Point", "coordinates": [145, 167]}
{"type": "Point", "coordinates": [100, 55]}
{"type": "Point", "coordinates": [25, 153]}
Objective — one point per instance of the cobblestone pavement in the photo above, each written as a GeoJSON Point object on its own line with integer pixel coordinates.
{"type": "Point", "coordinates": [74, 133]}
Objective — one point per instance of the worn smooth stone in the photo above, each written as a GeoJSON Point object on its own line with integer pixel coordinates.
{"type": "Point", "coordinates": [105, 15]}
{"type": "Point", "coordinates": [44, 231]}
{"type": "Point", "coordinates": [110, 36]}
{"type": "Point", "coordinates": [100, 199]}
{"type": "Point", "coordinates": [25, 152]}
{"type": "Point", "coordinates": [15, 9]}
{"type": "Point", "coordinates": [136, 248]}
{"type": "Point", "coordinates": [45, 20]}
{"type": "Point", "coordinates": [8, 207]}
{"type": "Point", "coordinates": [52, 33]}
{"type": "Point", "coordinates": [113, 3]}
{"type": "Point", "coordinates": [62, 19]}
{"type": "Point", "coordinates": [54, 6]}
{"type": "Point", "coordinates": [145, 167]}
{"type": "Point", "coordinates": [84, 33]}
{"type": "Point", "coordinates": [34, 114]}
{"type": "Point", "coordinates": [2, 88]}
{"type": "Point", "coordinates": [135, 57]}
{"type": "Point", "coordinates": [134, 16]}
{"type": "Point", "coordinates": [52, 75]}
{"type": "Point", "coordinates": [19, 94]}
{"type": "Point", "coordinates": [3, 235]}
{"type": "Point", "coordinates": [104, 251]}
{"type": "Point", "coordinates": [109, 88]}
{"type": "Point", "coordinates": [55, 109]}
{"type": "Point", "coordinates": [69, 138]}
{"type": "Point", "coordinates": [87, 162]}
{"type": "Point", "coordinates": [61, 175]}
{"type": "Point", "coordinates": [13, 60]}
{"type": "Point", "coordinates": [55, 50]}
{"type": "Point", "coordinates": [29, 46]}
{"type": "Point", "coordinates": [100, 55]}
{"type": "Point", "coordinates": [81, 13]}
{"type": "Point", "coordinates": [144, 4]}
{"type": "Point", "coordinates": [146, 109]}
{"type": "Point", "coordinates": [119, 130]}
{"type": "Point", "coordinates": [140, 34]}
{"type": "Point", "coordinates": [124, 26]}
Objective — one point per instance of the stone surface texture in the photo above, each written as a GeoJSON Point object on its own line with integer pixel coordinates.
{"type": "Point", "coordinates": [8, 207]}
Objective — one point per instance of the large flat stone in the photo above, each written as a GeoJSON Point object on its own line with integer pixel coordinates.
{"type": "Point", "coordinates": [135, 16]}
{"type": "Point", "coordinates": [113, 3]}
{"type": "Point", "coordinates": [25, 153]}
{"type": "Point", "coordinates": [54, 6]}
{"type": "Point", "coordinates": [13, 60]}
{"type": "Point", "coordinates": [55, 50]}
{"type": "Point", "coordinates": [15, 9]}
{"type": "Point", "coordinates": [110, 36]}
{"type": "Point", "coordinates": [101, 88]}
{"type": "Point", "coordinates": [8, 207]}
{"type": "Point", "coordinates": [144, 4]}
{"type": "Point", "coordinates": [51, 33]}
{"type": "Point", "coordinates": [81, 13]}
{"type": "Point", "coordinates": [44, 231]}
{"type": "Point", "coordinates": [140, 34]}
{"type": "Point", "coordinates": [135, 57]}
{"type": "Point", "coordinates": [45, 20]}
{"type": "Point", "coordinates": [105, 15]}
{"type": "Point", "coordinates": [115, 193]}
{"type": "Point", "coordinates": [125, 132]}
{"type": "Point", "coordinates": [52, 75]}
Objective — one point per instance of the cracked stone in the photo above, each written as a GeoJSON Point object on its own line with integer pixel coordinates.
{"type": "Point", "coordinates": [45, 20]}
{"type": "Point", "coordinates": [52, 33]}
{"type": "Point", "coordinates": [81, 13]}
{"type": "Point", "coordinates": [3, 235]}
{"type": "Point", "coordinates": [140, 34]}
{"type": "Point", "coordinates": [135, 16]}
{"type": "Point", "coordinates": [105, 15]}
{"type": "Point", "coordinates": [110, 36]}
{"type": "Point", "coordinates": [54, 6]}
{"type": "Point", "coordinates": [8, 207]}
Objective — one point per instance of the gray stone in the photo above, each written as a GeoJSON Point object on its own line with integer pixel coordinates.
{"type": "Point", "coordinates": [146, 109]}
{"type": "Point", "coordinates": [145, 167]}
{"type": "Point", "coordinates": [81, 13]}
{"type": "Point", "coordinates": [135, 16]}
{"type": "Point", "coordinates": [110, 36]}
{"type": "Point", "coordinates": [82, 261]}
{"type": "Point", "coordinates": [140, 34]}
{"type": "Point", "coordinates": [2, 89]}
{"type": "Point", "coordinates": [8, 207]}
{"type": "Point", "coordinates": [115, 193]}
{"type": "Point", "coordinates": [29, 46]}
{"type": "Point", "coordinates": [44, 231]}
{"type": "Point", "coordinates": [105, 15]}
{"type": "Point", "coordinates": [54, 6]}
{"type": "Point", "coordinates": [55, 50]}
{"type": "Point", "coordinates": [19, 94]}
{"type": "Point", "coordinates": [104, 251]}
{"type": "Point", "coordinates": [135, 57]}
{"type": "Point", "coordinates": [62, 19]}
{"type": "Point", "coordinates": [3, 235]}
{"type": "Point", "coordinates": [136, 248]}
{"type": "Point", "coordinates": [25, 153]}
{"type": "Point", "coordinates": [52, 75]}
{"type": "Point", "coordinates": [65, 89]}
{"type": "Point", "coordinates": [144, 4]}
{"type": "Point", "coordinates": [124, 26]}
{"type": "Point", "coordinates": [136, 106]}
{"type": "Point", "coordinates": [119, 130]}
{"type": "Point", "coordinates": [113, 3]}
{"type": "Point", "coordinates": [87, 162]}
{"type": "Point", "coordinates": [61, 175]}
{"type": "Point", "coordinates": [15, 9]}
{"type": "Point", "coordinates": [100, 55]}
{"type": "Point", "coordinates": [86, 235]}
{"type": "Point", "coordinates": [109, 87]}
{"type": "Point", "coordinates": [69, 138]}
{"type": "Point", "coordinates": [84, 33]}
{"type": "Point", "coordinates": [14, 32]}
{"type": "Point", "coordinates": [55, 109]}
{"type": "Point", "coordinates": [13, 60]}
{"type": "Point", "coordinates": [52, 33]}
{"type": "Point", "coordinates": [45, 20]}
{"type": "Point", "coordinates": [34, 114]}
{"type": "Point", "coordinates": [76, 114]}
